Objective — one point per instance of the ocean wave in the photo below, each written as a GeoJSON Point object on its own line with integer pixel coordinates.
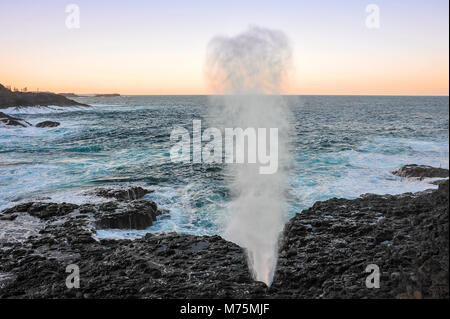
{"type": "Point", "coordinates": [43, 109]}
{"type": "Point", "coordinates": [366, 169]}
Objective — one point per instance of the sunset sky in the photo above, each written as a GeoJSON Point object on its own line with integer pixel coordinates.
{"type": "Point", "coordinates": [158, 47]}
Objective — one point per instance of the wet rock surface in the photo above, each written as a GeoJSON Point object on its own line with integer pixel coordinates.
{"type": "Point", "coordinates": [13, 121]}
{"type": "Point", "coordinates": [48, 124]}
{"type": "Point", "coordinates": [324, 252]}
{"type": "Point", "coordinates": [327, 248]}
{"type": "Point", "coordinates": [122, 194]}
{"type": "Point", "coordinates": [42, 210]}
{"type": "Point", "coordinates": [420, 171]}
{"type": "Point", "coordinates": [126, 212]}
{"type": "Point", "coordinates": [138, 215]}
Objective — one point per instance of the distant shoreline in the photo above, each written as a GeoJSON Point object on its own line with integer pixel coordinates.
{"type": "Point", "coordinates": [306, 95]}
{"type": "Point", "coordinates": [10, 98]}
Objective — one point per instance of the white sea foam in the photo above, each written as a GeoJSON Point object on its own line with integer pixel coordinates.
{"type": "Point", "coordinates": [42, 109]}
{"type": "Point", "coordinates": [181, 217]}
{"type": "Point", "coordinates": [368, 170]}
{"type": "Point", "coordinates": [20, 229]}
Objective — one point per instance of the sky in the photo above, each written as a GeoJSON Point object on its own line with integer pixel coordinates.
{"type": "Point", "coordinates": [158, 47]}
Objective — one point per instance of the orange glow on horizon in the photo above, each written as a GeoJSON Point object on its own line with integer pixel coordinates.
{"type": "Point", "coordinates": [432, 83]}
{"type": "Point", "coordinates": [357, 76]}
{"type": "Point", "coordinates": [173, 72]}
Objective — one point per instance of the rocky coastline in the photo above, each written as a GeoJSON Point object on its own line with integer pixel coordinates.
{"type": "Point", "coordinates": [19, 100]}
{"type": "Point", "coordinates": [10, 98]}
{"type": "Point", "coordinates": [324, 251]}
{"type": "Point", "coordinates": [12, 121]}
{"type": "Point", "coordinates": [9, 120]}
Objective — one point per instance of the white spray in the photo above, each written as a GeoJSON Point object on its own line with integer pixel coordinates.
{"type": "Point", "coordinates": [249, 70]}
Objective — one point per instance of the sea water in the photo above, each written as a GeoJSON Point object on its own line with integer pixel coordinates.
{"type": "Point", "coordinates": [343, 146]}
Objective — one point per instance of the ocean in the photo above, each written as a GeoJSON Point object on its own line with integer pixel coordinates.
{"type": "Point", "coordinates": [342, 146]}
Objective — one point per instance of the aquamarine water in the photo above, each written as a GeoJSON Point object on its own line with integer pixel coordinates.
{"type": "Point", "coordinates": [343, 146]}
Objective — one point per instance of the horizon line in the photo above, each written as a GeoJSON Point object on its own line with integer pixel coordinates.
{"type": "Point", "coordinates": [290, 94]}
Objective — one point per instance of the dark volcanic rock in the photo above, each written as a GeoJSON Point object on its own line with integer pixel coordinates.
{"type": "Point", "coordinates": [131, 193]}
{"type": "Point", "coordinates": [420, 171]}
{"type": "Point", "coordinates": [48, 124]}
{"type": "Point", "coordinates": [335, 240]}
{"type": "Point", "coordinates": [128, 220]}
{"type": "Point", "coordinates": [42, 210]}
{"type": "Point", "coordinates": [139, 215]}
{"type": "Point", "coordinates": [136, 214]}
{"type": "Point", "coordinates": [13, 121]}
{"type": "Point", "coordinates": [8, 217]}
{"type": "Point", "coordinates": [9, 98]}
{"type": "Point", "coordinates": [324, 252]}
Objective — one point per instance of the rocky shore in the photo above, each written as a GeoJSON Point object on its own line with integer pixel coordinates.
{"type": "Point", "coordinates": [323, 253]}
{"type": "Point", "coordinates": [9, 98]}
{"type": "Point", "coordinates": [422, 172]}
{"type": "Point", "coordinates": [12, 121]}
{"type": "Point", "coordinates": [9, 120]}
